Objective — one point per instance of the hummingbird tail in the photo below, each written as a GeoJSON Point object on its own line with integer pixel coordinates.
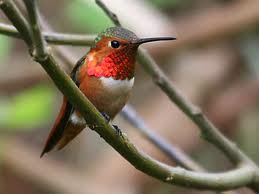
{"type": "Point", "coordinates": [75, 125]}
{"type": "Point", "coordinates": [59, 126]}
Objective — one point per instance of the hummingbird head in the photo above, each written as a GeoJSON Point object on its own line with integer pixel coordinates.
{"type": "Point", "coordinates": [114, 53]}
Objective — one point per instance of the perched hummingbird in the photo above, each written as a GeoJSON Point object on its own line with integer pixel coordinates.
{"type": "Point", "coordinates": [105, 75]}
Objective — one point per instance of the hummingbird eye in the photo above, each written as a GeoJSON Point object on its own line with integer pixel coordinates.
{"type": "Point", "coordinates": [115, 44]}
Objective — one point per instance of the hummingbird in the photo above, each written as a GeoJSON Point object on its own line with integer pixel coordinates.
{"type": "Point", "coordinates": [105, 75]}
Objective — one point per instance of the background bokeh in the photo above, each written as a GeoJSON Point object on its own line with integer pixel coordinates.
{"type": "Point", "coordinates": [214, 62]}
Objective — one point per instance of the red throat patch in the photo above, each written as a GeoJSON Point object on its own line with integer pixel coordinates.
{"type": "Point", "coordinates": [119, 65]}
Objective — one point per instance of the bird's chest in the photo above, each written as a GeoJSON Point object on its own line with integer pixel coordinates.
{"type": "Point", "coordinates": [116, 88]}
{"type": "Point", "coordinates": [107, 94]}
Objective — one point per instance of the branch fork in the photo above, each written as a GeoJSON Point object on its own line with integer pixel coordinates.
{"type": "Point", "coordinates": [246, 173]}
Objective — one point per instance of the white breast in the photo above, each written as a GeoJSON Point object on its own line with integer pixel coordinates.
{"type": "Point", "coordinates": [117, 86]}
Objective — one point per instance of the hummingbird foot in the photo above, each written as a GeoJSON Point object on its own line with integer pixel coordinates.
{"type": "Point", "coordinates": [106, 117]}
{"type": "Point", "coordinates": [118, 130]}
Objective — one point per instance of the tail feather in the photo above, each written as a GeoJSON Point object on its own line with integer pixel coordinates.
{"type": "Point", "coordinates": [59, 126]}
{"type": "Point", "coordinates": [72, 130]}
{"type": "Point", "coordinates": [64, 129]}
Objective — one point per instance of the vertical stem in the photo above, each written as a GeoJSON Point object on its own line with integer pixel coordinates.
{"type": "Point", "coordinates": [39, 43]}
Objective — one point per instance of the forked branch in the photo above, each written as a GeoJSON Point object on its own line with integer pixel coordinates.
{"type": "Point", "coordinates": [245, 175]}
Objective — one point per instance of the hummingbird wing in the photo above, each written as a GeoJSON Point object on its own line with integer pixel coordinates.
{"type": "Point", "coordinates": [64, 128]}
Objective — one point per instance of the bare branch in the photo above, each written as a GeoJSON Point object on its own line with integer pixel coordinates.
{"type": "Point", "coordinates": [175, 153]}
{"type": "Point", "coordinates": [108, 12]}
{"type": "Point", "coordinates": [245, 175]}
{"type": "Point", "coordinates": [14, 14]}
{"type": "Point", "coordinates": [37, 38]}
{"type": "Point", "coordinates": [52, 37]}
{"type": "Point", "coordinates": [209, 131]}
{"type": "Point", "coordinates": [9, 30]}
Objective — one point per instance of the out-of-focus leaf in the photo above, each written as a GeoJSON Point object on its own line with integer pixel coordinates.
{"type": "Point", "coordinates": [249, 48]}
{"type": "Point", "coordinates": [5, 47]}
{"type": "Point", "coordinates": [165, 4]}
{"type": "Point", "coordinates": [4, 110]}
{"type": "Point", "coordinates": [87, 16]}
{"type": "Point", "coordinates": [3, 139]}
{"type": "Point", "coordinates": [28, 109]}
{"type": "Point", "coordinates": [247, 133]}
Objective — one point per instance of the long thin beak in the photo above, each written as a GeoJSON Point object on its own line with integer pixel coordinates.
{"type": "Point", "coordinates": [145, 40]}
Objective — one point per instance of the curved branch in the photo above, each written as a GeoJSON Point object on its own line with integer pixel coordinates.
{"type": "Point", "coordinates": [217, 181]}
{"type": "Point", "coordinates": [242, 176]}
{"type": "Point", "coordinates": [209, 131]}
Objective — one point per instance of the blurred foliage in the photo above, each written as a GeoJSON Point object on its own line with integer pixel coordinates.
{"type": "Point", "coordinates": [26, 110]}
{"type": "Point", "coordinates": [5, 47]}
{"type": "Point", "coordinates": [249, 47]}
{"type": "Point", "coordinates": [247, 134]}
{"type": "Point", "coordinates": [207, 155]}
{"type": "Point", "coordinates": [87, 16]}
{"type": "Point", "coordinates": [170, 4]}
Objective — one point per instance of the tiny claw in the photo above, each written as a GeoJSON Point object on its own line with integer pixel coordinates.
{"type": "Point", "coordinates": [107, 117]}
{"type": "Point", "coordinates": [118, 130]}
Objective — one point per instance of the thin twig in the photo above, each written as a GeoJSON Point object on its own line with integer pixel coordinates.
{"type": "Point", "coordinates": [175, 153]}
{"type": "Point", "coordinates": [52, 37]}
{"type": "Point", "coordinates": [15, 15]}
{"type": "Point", "coordinates": [111, 15]}
{"type": "Point", "coordinates": [9, 30]}
{"type": "Point", "coordinates": [37, 38]}
{"type": "Point", "coordinates": [209, 131]}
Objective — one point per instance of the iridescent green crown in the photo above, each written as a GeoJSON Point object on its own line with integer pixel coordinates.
{"type": "Point", "coordinates": [118, 32]}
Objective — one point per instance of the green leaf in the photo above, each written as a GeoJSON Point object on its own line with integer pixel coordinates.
{"type": "Point", "coordinates": [28, 109]}
{"type": "Point", "coordinates": [87, 16]}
